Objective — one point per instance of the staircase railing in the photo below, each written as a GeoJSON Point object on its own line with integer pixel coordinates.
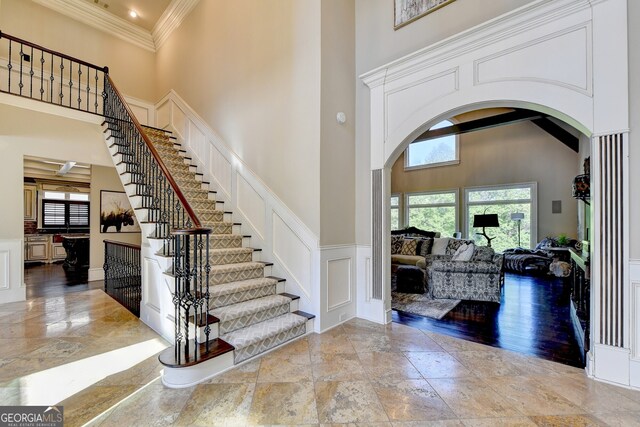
{"type": "Point", "coordinates": [122, 274]}
{"type": "Point", "coordinates": [35, 72]}
{"type": "Point", "coordinates": [31, 71]}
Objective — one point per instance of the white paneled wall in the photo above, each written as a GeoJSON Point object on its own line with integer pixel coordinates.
{"type": "Point", "coordinates": [11, 279]}
{"type": "Point", "coordinates": [324, 278]}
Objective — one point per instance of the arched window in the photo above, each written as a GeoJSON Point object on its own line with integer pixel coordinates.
{"type": "Point", "coordinates": [433, 152]}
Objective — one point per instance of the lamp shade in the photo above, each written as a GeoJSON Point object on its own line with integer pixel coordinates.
{"type": "Point", "coordinates": [517, 216]}
{"type": "Point", "coordinates": [486, 220]}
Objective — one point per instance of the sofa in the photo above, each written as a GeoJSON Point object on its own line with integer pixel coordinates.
{"type": "Point", "coordinates": [404, 252]}
{"type": "Point", "coordinates": [480, 278]}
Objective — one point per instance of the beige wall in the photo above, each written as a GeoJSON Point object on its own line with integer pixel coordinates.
{"type": "Point", "coordinates": [337, 158]}
{"type": "Point", "coordinates": [131, 68]}
{"type": "Point", "coordinates": [634, 123]}
{"type": "Point", "coordinates": [377, 43]}
{"type": "Point", "coordinates": [104, 178]}
{"type": "Point", "coordinates": [251, 69]}
{"type": "Point", "coordinates": [508, 154]}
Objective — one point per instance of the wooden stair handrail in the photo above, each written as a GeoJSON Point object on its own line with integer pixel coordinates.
{"type": "Point", "coordinates": [156, 155]}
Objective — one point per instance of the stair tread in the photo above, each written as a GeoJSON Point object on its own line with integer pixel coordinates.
{"type": "Point", "coordinates": [224, 268]}
{"type": "Point", "coordinates": [259, 331]}
{"type": "Point", "coordinates": [240, 286]}
{"type": "Point", "coordinates": [249, 307]}
{"type": "Point", "coordinates": [220, 251]}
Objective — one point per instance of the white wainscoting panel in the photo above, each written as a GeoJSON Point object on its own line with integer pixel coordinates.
{"type": "Point", "coordinates": [179, 122]}
{"type": "Point", "coordinates": [338, 283]}
{"type": "Point", "coordinates": [220, 169]}
{"type": "Point", "coordinates": [337, 280]}
{"type": "Point", "coordinates": [366, 306]}
{"type": "Point", "coordinates": [292, 253]}
{"type": "Point", "coordinates": [163, 115]}
{"type": "Point", "coordinates": [634, 276]}
{"type": "Point", "coordinates": [11, 269]}
{"type": "Point", "coordinates": [251, 205]}
{"type": "Point", "coordinates": [198, 143]}
{"type": "Point", "coordinates": [144, 111]}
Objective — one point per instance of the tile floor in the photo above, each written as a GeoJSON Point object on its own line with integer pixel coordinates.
{"type": "Point", "coordinates": [99, 361]}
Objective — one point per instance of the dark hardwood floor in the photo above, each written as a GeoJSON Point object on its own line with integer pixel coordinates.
{"type": "Point", "coordinates": [48, 280]}
{"type": "Point", "coordinates": [532, 318]}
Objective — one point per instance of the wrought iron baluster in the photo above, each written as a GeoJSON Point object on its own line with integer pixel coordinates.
{"type": "Point", "coordinates": [20, 84]}
{"type": "Point", "coordinates": [61, 95]}
{"type": "Point", "coordinates": [51, 78]}
{"type": "Point", "coordinates": [79, 85]}
{"type": "Point", "coordinates": [42, 75]}
{"type": "Point", "coordinates": [31, 74]}
{"type": "Point", "coordinates": [9, 67]}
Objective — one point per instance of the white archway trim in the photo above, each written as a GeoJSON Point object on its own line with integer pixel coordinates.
{"type": "Point", "coordinates": [566, 58]}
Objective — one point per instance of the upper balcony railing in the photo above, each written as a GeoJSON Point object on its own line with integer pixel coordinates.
{"type": "Point", "coordinates": [35, 72]}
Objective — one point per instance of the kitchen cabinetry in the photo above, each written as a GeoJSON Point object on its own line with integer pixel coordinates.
{"type": "Point", "coordinates": [30, 202]}
{"type": "Point", "coordinates": [45, 247]}
{"type": "Point", "coordinates": [37, 248]}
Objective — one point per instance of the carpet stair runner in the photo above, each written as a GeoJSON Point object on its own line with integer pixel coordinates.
{"type": "Point", "coordinates": [250, 310]}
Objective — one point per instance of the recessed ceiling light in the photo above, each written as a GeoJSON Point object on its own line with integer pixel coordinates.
{"type": "Point", "coordinates": [133, 14]}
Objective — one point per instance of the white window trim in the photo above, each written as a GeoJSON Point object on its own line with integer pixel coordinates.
{"type": "Point", "coordinates": [400, 209]}
{"type": "Point", "coordinates": [455, 191]}
{"type": "Point", "coordinates": [456, 161]}
{"type": "Point", "coordinates": [534, 205]}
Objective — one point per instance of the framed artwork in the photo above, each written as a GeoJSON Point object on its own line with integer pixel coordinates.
{"type": "Point", "coordinates": [407, 11]}
{"type": "Point", "coordinates": [116, 214]}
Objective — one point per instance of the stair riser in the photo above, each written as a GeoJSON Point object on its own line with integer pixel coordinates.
{"type": "Point", "coordinates": [236, 297]}
{"type": "Point", "coordinates": [272, 342]}
{"type": "Point", "coordinates": [166, 262]}
{"type": "Point", "coordinates": [253, 318]}
{"type": "Point", "coordinates": [235, 276]}
{"type": "Point", "coordinates": [199, 332]}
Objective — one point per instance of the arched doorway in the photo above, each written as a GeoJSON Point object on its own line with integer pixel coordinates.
{"type": "Point", "coordinates": [581, 83]}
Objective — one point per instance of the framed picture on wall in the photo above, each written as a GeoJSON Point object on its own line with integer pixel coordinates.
{"type": "Point", "coordinates": [116, 214]}
{"type": "Point", "coordinates": [407, 11]}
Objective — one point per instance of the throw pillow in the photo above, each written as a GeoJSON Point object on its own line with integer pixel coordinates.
{"type": "Point", "coordinates": [426, 246]}
{"type": "Point", "coordinates": [483, 253]}
{"type": "Point", "coordinates": [454, 244]}
{"type": "Point", "coordinates": [440, 246]}
{"type": "Point", "coordinates": [409, 247]}
{"type": "Point", "coordinates": [396, 244]}
{"type": "Point", "coordinates": [464, 252]}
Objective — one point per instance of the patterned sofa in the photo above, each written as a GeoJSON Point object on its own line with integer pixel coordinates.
{"type": "Point", "coordinates": [480, 279]}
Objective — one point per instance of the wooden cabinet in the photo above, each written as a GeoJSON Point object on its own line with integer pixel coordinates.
{"type": "Point", "coordinates": [30, 202]}
{"type": "Point", "coordinates": [58, 252]}
{"type": "Point", "coordinates": [37, 248]}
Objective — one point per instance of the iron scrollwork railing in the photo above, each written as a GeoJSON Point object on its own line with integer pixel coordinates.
{"type": "Point", "coordinates": [122, 274]}
{"type": "Point", "coordinates": [35, 72]}
{"type": "Point", "coordinates": [191, 295]}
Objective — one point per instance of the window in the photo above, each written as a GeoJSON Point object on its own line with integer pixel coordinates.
{"type": "Point", "coordinates": [504, 201]}
{"type": "Point", "coordinates": [65, 210]}
{"type": "Point", "coordinates": [433, 152]}
{"type": "Point", "coordinates": [395, 212]}
{"type": "Point", "coordinates": [433, 211]}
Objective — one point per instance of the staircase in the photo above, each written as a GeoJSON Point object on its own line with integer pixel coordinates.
{"type": "Point", "coordinates": [249, 312]}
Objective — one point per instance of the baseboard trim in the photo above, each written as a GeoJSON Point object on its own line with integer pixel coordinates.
{"type": "Point", "coordinates": [96, 274]}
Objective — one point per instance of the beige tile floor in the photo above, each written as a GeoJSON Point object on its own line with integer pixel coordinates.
{"type": "Point", "coordinates": [90, 354]}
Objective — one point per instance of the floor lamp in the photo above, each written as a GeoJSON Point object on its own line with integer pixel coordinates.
{"type": "Point", "coordinates": [486, 220]}
{"type": "Point", "coordinates": [518, 217]}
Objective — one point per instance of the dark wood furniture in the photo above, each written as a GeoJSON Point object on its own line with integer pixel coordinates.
{"type": "Point", "coordinates": [580, 299]}
{"type": "Point", "coordinates": [77, 248]}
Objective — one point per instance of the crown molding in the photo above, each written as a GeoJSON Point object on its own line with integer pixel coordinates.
{"type": "Point", "coordinates": [171, 19]}
{"type": "Point", "coordinates": [95, 17]}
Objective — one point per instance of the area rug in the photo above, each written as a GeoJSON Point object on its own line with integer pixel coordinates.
{"type": "Point", "coordinates": [422, 304]}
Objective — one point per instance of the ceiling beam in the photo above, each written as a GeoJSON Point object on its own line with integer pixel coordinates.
{"type": "Point", "coordinates": [558, 132]}
{"type": "Point", "coordinates": [481, 124]}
